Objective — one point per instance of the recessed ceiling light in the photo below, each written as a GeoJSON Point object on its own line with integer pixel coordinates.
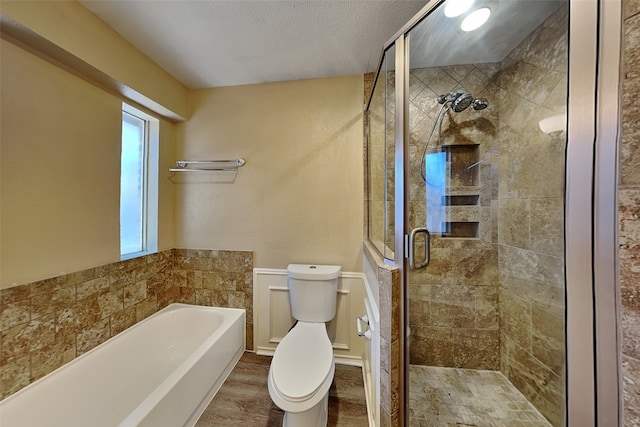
{"type": "Point", "coordinates": [475, 19]}
{"type": "Point", "coordinates": [455, 8]}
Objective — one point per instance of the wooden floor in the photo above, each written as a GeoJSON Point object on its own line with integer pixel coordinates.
{"type": "Point", "coordinates": [244, 398]}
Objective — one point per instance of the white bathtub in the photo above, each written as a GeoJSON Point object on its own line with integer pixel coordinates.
{"type": "Point", "coordinates": [163, 371]}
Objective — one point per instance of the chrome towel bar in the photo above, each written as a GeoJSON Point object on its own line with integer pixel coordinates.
{"type": "Point", "coordinates": [208, 165]}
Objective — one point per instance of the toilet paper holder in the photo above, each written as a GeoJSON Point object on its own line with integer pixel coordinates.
{"type": "Point", "coordinates": [364, 319]}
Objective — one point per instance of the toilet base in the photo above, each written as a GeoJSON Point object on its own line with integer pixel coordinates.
{"type": "Point", "coordinates": [317, 416]}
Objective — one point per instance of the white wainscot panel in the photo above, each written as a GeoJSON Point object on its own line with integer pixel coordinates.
{"type": "Point", "coordinates": [279, 303]}
{"type": "Point", "coordinates": [272, 314]}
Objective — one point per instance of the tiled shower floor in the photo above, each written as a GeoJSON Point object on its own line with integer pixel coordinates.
{"type": "Point", "coordinates": [451, 397]}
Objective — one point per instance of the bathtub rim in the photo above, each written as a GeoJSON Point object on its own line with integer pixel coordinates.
{"type": "Point", "coordinates": [168, 308]}
{"type": "Point", "coordinates": [162, 389]}
{"type": "Point", "coordinates": [147, 405]}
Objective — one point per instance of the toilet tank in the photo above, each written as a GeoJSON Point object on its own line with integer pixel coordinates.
{"type": "Point", "coordinates": [313, 291]}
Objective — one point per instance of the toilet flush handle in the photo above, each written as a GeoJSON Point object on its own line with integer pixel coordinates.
{"type": "Point", "coordinates": [361, 333]}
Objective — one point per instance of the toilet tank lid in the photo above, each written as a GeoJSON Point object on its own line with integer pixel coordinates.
{"type": "Point", "coordinates": [313, 271]}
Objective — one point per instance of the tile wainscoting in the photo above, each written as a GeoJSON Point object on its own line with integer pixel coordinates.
{"type": "Point", "coordinates": [389, 285]}
{"type": "Point", "coordinates": [48, 323]}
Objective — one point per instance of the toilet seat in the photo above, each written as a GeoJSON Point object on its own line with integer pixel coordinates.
{"type": "Point", "coordinates": [302, 367]}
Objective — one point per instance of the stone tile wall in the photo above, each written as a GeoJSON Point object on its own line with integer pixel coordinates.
{"type": "Point", "coordinates": [217, 279]}
{"type": "Point", "coordinates": [389, 281]}
{"type": "Point", "coordinates": [454, 301]}
{"type": "Point", "coordinates": [629, 214]}
{"type": "Point", "coordinates": [46, 324]}
{"type": "Point", "coordinates": [532, 85]}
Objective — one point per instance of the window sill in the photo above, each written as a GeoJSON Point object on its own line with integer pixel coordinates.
{"type": "Point", "coordinates": [132, 255]}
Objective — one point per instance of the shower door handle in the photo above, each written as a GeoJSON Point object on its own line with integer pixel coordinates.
{"type": "Point", "coordinates": [412, 248]}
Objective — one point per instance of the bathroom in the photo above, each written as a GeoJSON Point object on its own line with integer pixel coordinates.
{"type": "Point", "coordinates": [60, 193]}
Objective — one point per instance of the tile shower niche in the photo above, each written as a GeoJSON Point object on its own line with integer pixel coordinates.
{"type": "Point", "coordinates": [453, 201]}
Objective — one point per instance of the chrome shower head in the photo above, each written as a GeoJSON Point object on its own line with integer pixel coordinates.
{"type": "Point", "coordinates": [480, 104]}
{"type": "Point", "coordinates": [449, 97]}
{"type": "Point", "coordinates": [462, 102]}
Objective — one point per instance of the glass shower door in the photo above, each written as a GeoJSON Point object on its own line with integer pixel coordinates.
{"type": "Point", "coordinates": [486, 129]}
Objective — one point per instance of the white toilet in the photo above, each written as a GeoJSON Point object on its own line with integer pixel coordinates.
{"type": "Point", "coordinates": [302, 368]}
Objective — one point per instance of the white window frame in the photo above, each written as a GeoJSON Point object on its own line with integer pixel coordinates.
{"type": "Point", "coordinates": [151, 159]}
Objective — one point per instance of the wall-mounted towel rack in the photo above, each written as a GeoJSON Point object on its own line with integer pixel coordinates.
{"type": "Point", "coordinates": [208, 165]}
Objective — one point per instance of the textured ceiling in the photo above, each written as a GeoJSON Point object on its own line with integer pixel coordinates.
{"type": "Point", "coordinates": [209, 43]}
{"type": "Point", "coordinates": [232, 42]}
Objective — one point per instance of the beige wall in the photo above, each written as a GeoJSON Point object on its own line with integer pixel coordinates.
{"type": "Point", "coordinates": [60, 163]}
{"type": "Point", "coordinates": [71, 34]}
{"type": "Point", "coordinates": [166, 188]}
{"type": "Point", "coordinates": [299, 197]}
{"type": "Point", "coordinates": [60, 170]}
{"type": "Point", "coordinates": [297, 200]}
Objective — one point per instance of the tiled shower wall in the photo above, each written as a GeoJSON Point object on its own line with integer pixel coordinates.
{"type": "Point", "coordinates": [454, 301]}
{"type": "Point", "coordinates": [532, 85]}
{"type": "Point", "coordinates": [48, 323]}
{"type": "Point", "coordinates": [629, 212]}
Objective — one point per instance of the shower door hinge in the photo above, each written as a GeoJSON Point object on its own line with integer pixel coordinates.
{"type": "Point", "coordinates": [406, 246]}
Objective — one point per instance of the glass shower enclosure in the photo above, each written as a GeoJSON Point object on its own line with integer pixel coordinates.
{"type": "Point", "coordinates": [475, 139]}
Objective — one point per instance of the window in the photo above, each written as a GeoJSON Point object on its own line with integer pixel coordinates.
{"type": "Point", "coordinates": [138, 183]}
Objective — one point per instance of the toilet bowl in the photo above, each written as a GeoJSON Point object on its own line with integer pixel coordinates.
{"type": "Point", "coordinates": [301, 373]}
{"type": "Point", "coordinates": [303, 366]}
